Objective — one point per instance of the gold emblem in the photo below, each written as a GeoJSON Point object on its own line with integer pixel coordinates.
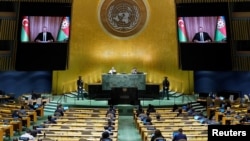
{"type": "Point", "coordinates": [123, 18]}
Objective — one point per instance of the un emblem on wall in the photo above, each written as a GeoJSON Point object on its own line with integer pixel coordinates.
{"type": "Point", "coordinates": [123, 18]}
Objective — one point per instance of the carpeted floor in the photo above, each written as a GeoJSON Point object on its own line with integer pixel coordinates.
{"type": "Point", "coordinates": [127, 130]}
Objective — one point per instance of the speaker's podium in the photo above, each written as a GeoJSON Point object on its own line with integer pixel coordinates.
{"type": "Point", "coordinates": [124, 96]}
{"type": "Point", "coordinates": [124, 87]}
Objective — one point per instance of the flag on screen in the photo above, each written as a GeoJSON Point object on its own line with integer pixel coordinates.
{"type": "Point", "coordinates": [220, 33]}
{"type": "Point", "coordinates": [25, 33]}
{"type": "Point", "coordinates": [182, 33]}
{"type": "Point", "coordinates": [63, 34]}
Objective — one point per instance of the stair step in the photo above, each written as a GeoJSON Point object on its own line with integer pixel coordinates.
{"type": "Point", "coordinates": [197, 110]}
{"type": "Point", "coordinates": [171, 93]}
{"type": "Point", "coordinates": [74, 93]}
{"type": "Point", "coordinates": [49, 110]}
{"type": "Point", "coordinates": [70, 95]}
{"type": "Point", "coordinates": [195, 104]}
{"type": "Point", "coordinates": [177, 94]}
{"type": "Point", "coordinates": [198, 106]}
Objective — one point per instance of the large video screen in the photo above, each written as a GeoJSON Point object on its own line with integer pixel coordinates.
{"type": "Point", "coordinates": [45, 29]}
{"type": "Point", "coordinates": [43, 36]}
{"type": "Point", "coordinates": [203, 35]}
{"type": "Point", "coordinates": [202, 29]}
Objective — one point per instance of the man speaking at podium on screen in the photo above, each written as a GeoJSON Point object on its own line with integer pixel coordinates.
{"type": "Point", "coordinates": [44, 36]}
{"type": "Point", "coordinates": [201, 36]}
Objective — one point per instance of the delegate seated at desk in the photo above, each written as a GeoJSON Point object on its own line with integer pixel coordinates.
{"type": "Point", "coordinates": [201, 36]}
{"type": "Point", "coordinates": [112, 70]}
{"type": "Point", "coordinates": [44, 36]}
{"type": "Point", "coordinates": [134, 71]}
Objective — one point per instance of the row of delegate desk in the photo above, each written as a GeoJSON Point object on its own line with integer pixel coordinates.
{"type": "Point", "coordinates": [9, 124]}
{"type": "Point", "coordinates": [169, 123]}
{"type": "Point", "coordinates": [79, 123]}
{"type": "Point", "coordinates": [225, 118]}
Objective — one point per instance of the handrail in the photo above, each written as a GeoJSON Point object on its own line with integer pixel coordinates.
{"type": "Point", "coordinates": [60, 99]}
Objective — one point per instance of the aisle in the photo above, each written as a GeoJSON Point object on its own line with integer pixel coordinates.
{"type": "Point", "coordinates": [127, 130]}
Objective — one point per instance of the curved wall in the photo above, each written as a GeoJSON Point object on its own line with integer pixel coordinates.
{"type": "Point", "coordinates": [94, 51]}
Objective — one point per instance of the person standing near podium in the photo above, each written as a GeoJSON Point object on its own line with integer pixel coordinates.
{"type": "Point", "coordinates": [80, 84]}
{"type": "Point", "coordinates": [166, 85]}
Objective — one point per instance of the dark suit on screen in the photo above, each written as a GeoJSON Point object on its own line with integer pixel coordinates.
{"type": "Point", "coordinates": [40, 38]}
{"type": "Point", "coordinates": [206, 37]}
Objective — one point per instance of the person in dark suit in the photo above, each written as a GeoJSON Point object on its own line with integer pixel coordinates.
{"type": "Point", "coordinates": [201, 36]}
{"type": "Point", "coordinates": [166, 85]}
{"type": "Point", "coordinates": [157, 135]}
{"type": "Point", "coordinates": [80, 83]}
{"type": "Point", "coordinates": [180, 135]}
{"type": "Point", "coordinates": [44, 36]}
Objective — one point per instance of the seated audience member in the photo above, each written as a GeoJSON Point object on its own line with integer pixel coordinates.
{"type": "Point", "coordinates": [188, 107]}
{"type": "Point", "coordinates": [179, 112]}
{"type": "Point", "coordinates": [227, 104]}
{"type": "Point", "coordinates": [106, 129]}
{"type": "Point", "coordinates": [59, 111]}
{"type": "Point", "coordinates": [30, 105]}
{"type": "Point", "coordinates": [246, 118]}
{"type": "Point", "coordinates": [151, 108]}
{"type": "Point", "coordinates": [191, 112]}
{"type": "Point", "coordinates": [111, 110]}
{"type": "Point", "coordinates": [22, 111]}
{"type": "Point", "coordinates": [110, 116]}
{"type": "Point", "coordinates": [27, 134]}
{"type": "Point", "coordinates": [248, 109]}
{"type": "Point", "coordinates": [237, 116]}
{"type": "Point", "coordinates": [105, 136]}
{"type": "Point", "coordinates": [175, 107]}
{"type": "Point", "coordinates": [142, 115]}
{"type": "Point", "coordinates": [147, 121]}
{"type": "Point", "coordinates": [212, 121]}
{"type": "Point", "coordinates": [110, 125]}
{"type": "Point", "coordinates": [139, 110]}
{"type": "Point", "coordinates": [51, 120]}
{"type": "Point", "coordinates": [158, 116]}
{"type": "Point", "coordinates": [180, 135]}
{"type": "Point", "coordinates": [222, 104]}
{"type": "Point", "coordinates": [157, 135]}
{"type": "Point", "coordinates": [16, 114]}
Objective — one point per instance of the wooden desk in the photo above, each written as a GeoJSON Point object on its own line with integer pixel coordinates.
{"type": "Point", "coordinates": [26, 121]}
{"type": "Point", "coordinates": [64, 120]}
{"type": "Point", "coordinates": [75, 135]}
{"type": "Point", "coordinates": [40, 111]}
{"type": "Point", "coordinates": [32, 115]}
{"type": "Point", "coordinates": [17, 125]}
{"type": "Point", "coordinates": [1, 134]}
{"type": "Point", "coordinates": [8, 129]}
